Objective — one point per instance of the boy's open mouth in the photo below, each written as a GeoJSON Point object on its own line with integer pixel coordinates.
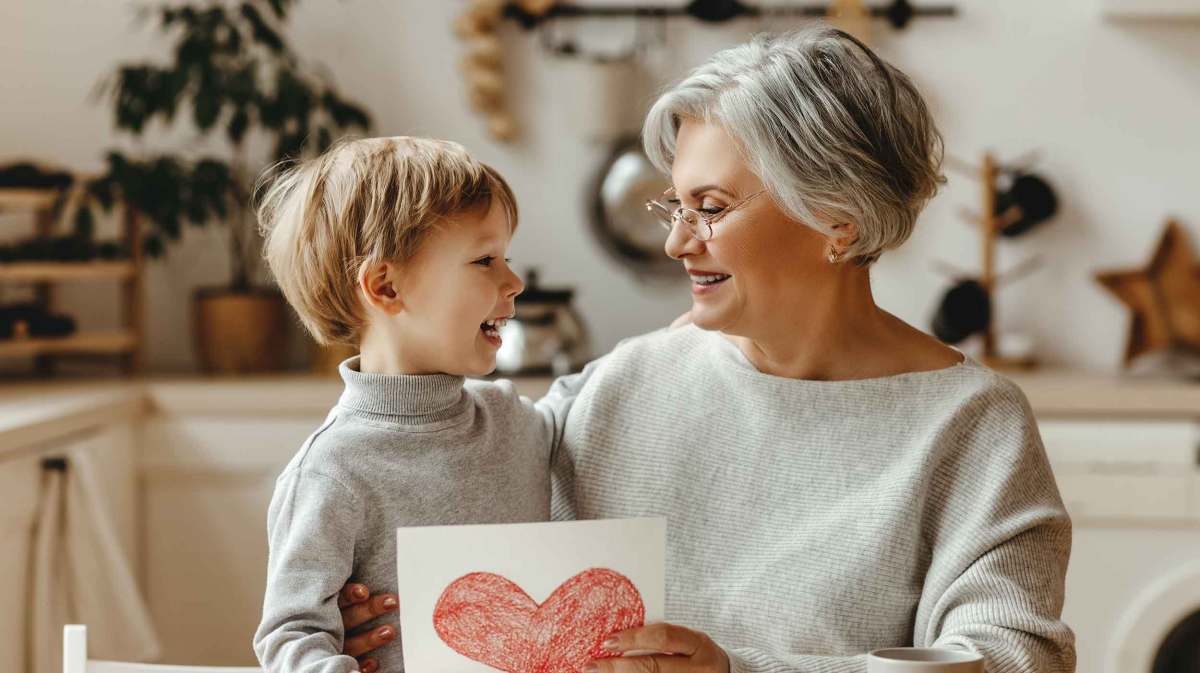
{"type": "Point", "coordinates": [491, 328]}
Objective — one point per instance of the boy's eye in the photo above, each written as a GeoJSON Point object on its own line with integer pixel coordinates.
{"type": "Point", "coordinates": [487, 261]}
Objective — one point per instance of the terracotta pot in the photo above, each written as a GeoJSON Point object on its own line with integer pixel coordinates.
{"type": "Point", "coordinates": [239, 332]}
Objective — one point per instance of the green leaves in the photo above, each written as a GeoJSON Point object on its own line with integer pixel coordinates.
{"type": "Point", "coordinates": [230, 67]}
{"type": "Point", "coordinates": [279, 7]}
{"type": "Point", "coordinates": [205, 107]}
{"type": "Point", "coordinates": [344, 114]}
{"type": "Point", "coordinates": [211, 184]}
{"type": "Point", "coordinates": [143, 91]}
{"type": "Point", "coordinates": [234, 71]}
{"type": "Point", "coordinates": [263, 33]}
{"type": "Point", "coordinates": [165, 190]}
{"type": "Point", "coordinates": [152, 245]}
{"type": "Point", "coordinates": [85, 222]}
{"type": "Point", "coordinates": [238, 124]}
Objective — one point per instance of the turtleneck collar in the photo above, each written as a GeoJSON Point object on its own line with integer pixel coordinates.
{"type": "Point", "coordinates": [416, 398]}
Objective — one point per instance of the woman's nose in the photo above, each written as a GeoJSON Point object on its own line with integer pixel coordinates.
{"type": "Point", "coordinates": [680, 243]}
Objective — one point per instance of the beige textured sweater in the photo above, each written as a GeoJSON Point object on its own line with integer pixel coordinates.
{"type": "Point", "coordinates": [810, 522]}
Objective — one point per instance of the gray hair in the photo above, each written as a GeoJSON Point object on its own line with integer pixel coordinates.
{"type": "Point", "coordinates": [836, 134]}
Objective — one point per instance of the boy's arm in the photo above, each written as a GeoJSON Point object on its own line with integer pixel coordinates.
{"type": "Point", "coordinates": [312, 527]}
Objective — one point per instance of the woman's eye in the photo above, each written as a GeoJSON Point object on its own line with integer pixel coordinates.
{"type": "Point", "coordinates": [711, 210]}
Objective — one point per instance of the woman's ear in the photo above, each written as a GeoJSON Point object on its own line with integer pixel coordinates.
{"type": "Point", "coordinates": [844, 235]}
{"type": "Point", "coordinates": [379, 284]}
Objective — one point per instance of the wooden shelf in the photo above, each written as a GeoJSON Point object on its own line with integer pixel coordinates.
{"type": "Point", "coordinates": [100, 343]}
{"type": "Point", "coordinates": [65, 271]}
{"type": "Point", "coordinates": [27, 199]}
{"type": "Point", "coordinates": [126, 275]}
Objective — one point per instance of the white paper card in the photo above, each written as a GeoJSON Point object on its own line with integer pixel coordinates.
{"type": "Point", "coordinates": [522, 597]}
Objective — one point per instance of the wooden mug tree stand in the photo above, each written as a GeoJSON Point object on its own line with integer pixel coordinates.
{"type": "Point", "coordinates": [990, 226]}
{"type": "Point", "coordinates": [123, 343]}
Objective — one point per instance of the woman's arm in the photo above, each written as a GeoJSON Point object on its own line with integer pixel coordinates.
{"type": "Point", "coordinates": [556, 405]}
{"type": "Point", "coordinates": [1000, 539]}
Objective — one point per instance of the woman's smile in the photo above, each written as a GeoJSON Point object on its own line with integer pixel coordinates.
{"type": "Point", "coordinates": [707, 282]}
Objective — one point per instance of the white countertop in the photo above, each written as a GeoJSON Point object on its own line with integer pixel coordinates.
{"type": "Point", "coordinates": [39, 412]}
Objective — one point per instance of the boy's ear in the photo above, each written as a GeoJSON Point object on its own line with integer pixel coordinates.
{"type": "Point", "coordinates": [379, 284]}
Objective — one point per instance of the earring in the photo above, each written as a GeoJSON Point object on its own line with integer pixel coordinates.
{"type": "Point", "coordinates": [834, 256]}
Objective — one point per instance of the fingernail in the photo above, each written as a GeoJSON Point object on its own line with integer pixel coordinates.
{"type": "Point", "coordinates": [609, 644]}
{"type": "Point", "coordinates": [389, 603]}
{"type": "Point", "coordinates": [360, 592]}
{"type": "Point", "coordinates": [369, 667]}
{"type": "Point", "coordinates": [387, 633]}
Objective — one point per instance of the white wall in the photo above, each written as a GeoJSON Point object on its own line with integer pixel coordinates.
{"type": "Point", "coordinates": [1113, 107]}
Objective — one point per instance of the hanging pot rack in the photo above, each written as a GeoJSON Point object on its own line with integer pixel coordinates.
{"type": "Point", "coordinates": [898, 12]}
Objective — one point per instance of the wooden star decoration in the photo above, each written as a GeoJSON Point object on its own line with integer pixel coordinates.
{"type": "Point", "coordinates": [1164, 297]}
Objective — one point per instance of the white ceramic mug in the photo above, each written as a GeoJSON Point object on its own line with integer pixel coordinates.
{"type": "Point", "coordinates": [923, 660]}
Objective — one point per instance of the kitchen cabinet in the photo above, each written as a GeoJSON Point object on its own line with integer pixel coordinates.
{"type": "Point", "coordinates": [112, 450]}
{"type": "Point", "coordinates": [189, 467]}
{"type": "Point", "coordinates": [207, 481]}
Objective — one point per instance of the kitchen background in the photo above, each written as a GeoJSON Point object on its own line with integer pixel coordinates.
{"type": "Point", "coordinates": [1111, 107]}
{"type": "Point", "coordinates": [1099, 98]}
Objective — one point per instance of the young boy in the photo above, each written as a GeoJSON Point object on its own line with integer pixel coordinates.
{"type": "Point", "coordinates": [396, 245]}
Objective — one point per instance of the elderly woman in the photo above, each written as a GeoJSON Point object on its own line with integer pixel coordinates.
{"type": "Point", "coordinates": [834, 480]}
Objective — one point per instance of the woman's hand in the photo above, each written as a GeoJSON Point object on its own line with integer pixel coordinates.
{"type": "Point", "coordinates": [684, 651]}
{"type": "Point", "coordinates": [358, 607]}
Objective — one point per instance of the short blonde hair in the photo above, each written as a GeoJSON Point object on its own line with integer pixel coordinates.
{"type": "Point", "coordinates": [363, 202]}
{"type": "Point", "coordinates": [836, 134]}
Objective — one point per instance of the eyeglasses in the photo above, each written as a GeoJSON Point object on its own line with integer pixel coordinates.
{"type": "Point", "coordinates": [696, 223]}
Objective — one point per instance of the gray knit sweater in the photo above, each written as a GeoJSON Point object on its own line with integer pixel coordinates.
{"type": "Point", "coordinates": [395, 451]}
{"type": "Point", "coordinates": [810, 522]}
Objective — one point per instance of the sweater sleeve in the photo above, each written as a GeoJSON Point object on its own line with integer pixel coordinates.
{"type": "Point", "coordinates": [312, 526]}
{"type": "Point", "coordinates": [556, 405]}
{"type": "Point", "coordinates": [754, 660]}
{"type": "Point", "coordinates": [998, 539]}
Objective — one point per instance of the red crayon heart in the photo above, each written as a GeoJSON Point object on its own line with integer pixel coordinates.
{"type": "Point", "coordinates": [490, 619]}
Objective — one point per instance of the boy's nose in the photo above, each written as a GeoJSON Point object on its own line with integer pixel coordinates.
{"type": "Point", "coordinates": [515, 285]}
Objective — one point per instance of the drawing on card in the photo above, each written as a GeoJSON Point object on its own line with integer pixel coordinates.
{"type": "Point", "coordinates": [488, 618]}
{"type": "Point", "coordinates": [525, 597]}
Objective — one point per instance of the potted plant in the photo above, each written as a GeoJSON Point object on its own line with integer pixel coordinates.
{"type": "Point", "coordinates": [232, 72]}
